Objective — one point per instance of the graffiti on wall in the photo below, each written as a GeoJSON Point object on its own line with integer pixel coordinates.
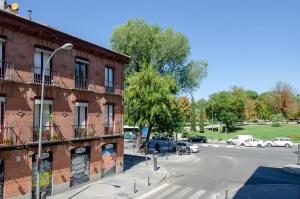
{"type": "Point", "coordinates": [45, 175]}
{"type": "Point", "coordinates": [108, 160]}
{"type": "Point", "coordinates": [1, 178]}
{"type": "Point", "coordinates": [80, 166]}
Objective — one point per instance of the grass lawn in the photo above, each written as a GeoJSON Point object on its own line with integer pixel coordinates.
{"type": "Point", "coordinates": [263, 132]}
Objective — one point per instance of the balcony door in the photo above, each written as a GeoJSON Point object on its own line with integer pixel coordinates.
{"type": "Point", "coordinates": [2, 103]}
{"type": "Point", "coordinates": [109, 79]}
{"type": "Point", "coordinates": [108, 118]}
{"type": "Point", "coordinates": [40, 60]}
{"type": "Point", "coordinates": [80, 119]}
{"type": "Point", "coordinates": [46, 119]}
{"type": "Point", "coordinates": [81, 75]}
{"type": "Point", "coordinates": [2, 58]}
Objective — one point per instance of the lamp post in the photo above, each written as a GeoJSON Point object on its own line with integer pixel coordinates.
{"type": "Point", "coordinates": [67, 46]}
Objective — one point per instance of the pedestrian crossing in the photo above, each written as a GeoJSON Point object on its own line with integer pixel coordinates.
{"type": "Point", "coordinates": [174, 191]}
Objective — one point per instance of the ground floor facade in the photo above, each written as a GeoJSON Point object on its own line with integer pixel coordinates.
{"type": "Point", "coordinates": [64, 165]}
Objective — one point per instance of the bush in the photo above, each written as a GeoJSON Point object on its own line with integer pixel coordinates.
{"type": "Point", "coordinates": [188, 134]}
{"type": "Point", "coordinates": [277, 119]}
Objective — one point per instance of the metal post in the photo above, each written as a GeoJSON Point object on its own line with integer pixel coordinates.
{"type": "Point", "coordinates": [146, 161]}
{"type": "Point", "coordinates": [148, 181]}
{"type": "Point", "coordinates": [226, 193]}
{"type": "Point", "coordinates": [298, 154]}
{"type": "Point", "coordinates": [134, 187]}
{"type": "Point", "coordinates": [154, 162]}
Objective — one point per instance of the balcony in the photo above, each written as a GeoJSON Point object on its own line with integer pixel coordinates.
{"type": "Point", "coordinates": [8, 137]}
{"type": "Point", "coordinates": [84, 131]}
{"type": "Point", "coordinates": [49, 133]}
{"type": "Point", "coordinates": [52, 78]}
{"type": "Point", "coordinates": [8, 71]}
{"type": "Point", "coordinates": [83, 83]}
{"type": "Point", "coordinates": [112, 129]}
{"type": "Point", "coordinates": [110, 87]}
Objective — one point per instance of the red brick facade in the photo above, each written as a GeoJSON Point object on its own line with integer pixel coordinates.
{"type": "Point", "coordinates": [17, 86]}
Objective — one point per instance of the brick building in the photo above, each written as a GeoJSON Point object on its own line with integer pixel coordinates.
{"type": "Point", "coordinates": [83, 116]}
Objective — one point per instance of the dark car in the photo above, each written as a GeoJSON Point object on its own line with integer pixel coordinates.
{"type": "Point", "coordinates": [200, 139]}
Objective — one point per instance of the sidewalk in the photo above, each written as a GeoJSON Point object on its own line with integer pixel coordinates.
{"type": "Point", "coordinates": [119, 185]}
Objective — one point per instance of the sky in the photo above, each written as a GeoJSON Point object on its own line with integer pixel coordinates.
{"type": "Point", "coordinates": [251, 43]}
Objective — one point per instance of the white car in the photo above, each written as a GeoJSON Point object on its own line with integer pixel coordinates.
{"type": "Point", "coordinates": [239, 138]}
{"type": "Point", "coordinates": [192, 147]}
{"type": "Point", "coordinates": [252, 142]}
{"type": "Point", "coordinates": [282, 141]}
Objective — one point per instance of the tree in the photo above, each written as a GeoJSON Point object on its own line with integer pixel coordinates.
{"type": "Point", "coordinates": [227, 106]}
{"type": "Point", "coordinates": [250, 109]}
{"type": "Point", "coordinates": [150, 96]}
{"type": "Point", "coordinates": [265, 106]}
{"type": "Point", "coordinates": [201, 109]}
{"type": "Point", "coordinates": [193, 115]}
{"type": "Point", "coordinates": [251, 94]}
{"type": "Point", "coordinates": [185, 107]}
{"type": "Point", "coordinates": [284, 98]}
{"type": "Point", "coordinates": [166, 50]}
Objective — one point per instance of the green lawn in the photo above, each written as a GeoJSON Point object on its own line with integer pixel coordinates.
{"type": "Point", "coordinates": [263, 132]}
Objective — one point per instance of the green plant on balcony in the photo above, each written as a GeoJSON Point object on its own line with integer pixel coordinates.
{"type": "Point", "coordinates": [90, 134]}
{"type": "Point", "coordinates": [8, 141]}
{"type": "Point", "coordinates": [55, 137]}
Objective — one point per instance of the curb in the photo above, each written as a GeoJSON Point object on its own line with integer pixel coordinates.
{"type": "Point", "coordinates": [292, 169]}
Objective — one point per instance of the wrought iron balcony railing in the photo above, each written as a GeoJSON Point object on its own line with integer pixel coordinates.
{"type": "Point", "coordinates": [111, 87]}
{"type": "Point", "coordinates": [49, 133]}
{"type": "Point", "coordinates": [112, 129]}
{"type": "Point", "coordinates": [51, 77]}
{"type": "Point", "coordinates": [9, 137]}
{"type": "Point", "coordinates": [8, 71]}
{"type": "Point", "coordinates": [83, 83]}
{"type": "Point", "coordinates": [84, 131]}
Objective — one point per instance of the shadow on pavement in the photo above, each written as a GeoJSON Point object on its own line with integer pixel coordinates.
{"type": "Point", "coordinates": [268, 182]}
{"type": "Point", "coordinates": [132, 160]}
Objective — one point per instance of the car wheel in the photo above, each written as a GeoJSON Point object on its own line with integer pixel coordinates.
{"type": "Point", "coordinates": [259, 145]}
{"type": "Point", "coordinates": [242, 144]}
{"type": "Point", "coordinates": [269, 145]}
{"type": "Point", "coordinates": [287, 145]}
{"type": "Point", "coordinates": [231, 143]}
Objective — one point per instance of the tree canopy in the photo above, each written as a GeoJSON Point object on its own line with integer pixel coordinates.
{"type": "Point", "coordinates": [166, 50]}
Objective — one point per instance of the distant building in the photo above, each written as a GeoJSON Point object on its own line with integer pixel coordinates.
{"type": "Point", "coordinates": [83, 116]}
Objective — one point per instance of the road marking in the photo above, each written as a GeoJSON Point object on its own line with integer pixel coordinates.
{"type": "Point", "coordinates": [197, 195]}
{"type": "Point", "coordinates": [168, 191]}
{"type": "Point", "coordinates": [215, 145]}
{"type": "Point", "coordinates": [183, 192]}
{"type": "Point", "coordinates": [153, 191]}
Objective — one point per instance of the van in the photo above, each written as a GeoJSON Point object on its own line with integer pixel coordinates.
{"type": "Point", "coordinates": [239, 138]}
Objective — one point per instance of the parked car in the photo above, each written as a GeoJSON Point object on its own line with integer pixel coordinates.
{"type": "Point", "coordinates": [239, 138]}
{"type": "Point", "coordinates": [187, 147]}
{"type": "Point", "coordinates": [281, 141]}
{"type": "Point", "coordinates": [161, 145]}
{"type": "Point", "coordinates": [252, 142]}
{"type": "Point", "coordinates": [201, 139]}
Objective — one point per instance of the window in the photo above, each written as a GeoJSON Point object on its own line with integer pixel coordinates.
{"type": "Point", "coordinates": [108, 115]}
{"type": "Point", "coordinates": [109, 79]}
{"type": "Point", "coordinates": [2, 57]}
{"type": "Point", "coordinates": [80, 119]}
{"type": "Point", "coordinates": [46, 125]}
{"type": "Point", "coordinates": [2, 102]}
{"type": "Point", "coordinates": [81, 74]}
{"type": "Point", "coordinates": [40, 58]}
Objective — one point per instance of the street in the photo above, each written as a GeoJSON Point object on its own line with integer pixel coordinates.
{"type": "Point", "coordinates": [214, 169]}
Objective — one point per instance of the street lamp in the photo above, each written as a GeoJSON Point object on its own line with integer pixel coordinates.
{"type": "Point", "coordinates": [67, 46]}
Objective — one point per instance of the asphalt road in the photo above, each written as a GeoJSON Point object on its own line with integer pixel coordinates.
{"type": "Point", "coordinates": [243, 171]}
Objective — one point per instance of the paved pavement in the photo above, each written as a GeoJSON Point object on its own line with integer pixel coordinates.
{"type": "Point", "coordinates": [120, 185]}
{"type": "Point", "coordinates": [254, 173]}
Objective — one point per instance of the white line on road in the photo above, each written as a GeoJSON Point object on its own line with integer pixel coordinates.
{"type": "Point", "coordinates": [197, 195]}
{"type": "Point", "coordinates": [153, 191]}
{"type": "Point", "coordinates": [183, 192]}
{"type": "Point", "coordinates": [167, 192]}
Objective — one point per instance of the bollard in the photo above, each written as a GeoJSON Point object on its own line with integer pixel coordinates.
{"type": "Point", "coordinates": [226, 193]}
{"type": "Point", "coordinates": [298, 154]}
{"type": "Point", "coordinates": [134, 187]}
{"type": "Point", "coordinates": [148, 181]}
{"type": "Point", "coordinates": [154, 162]}
{"type": "Point", "coordinates": [177, 153]}
{"type": "Point", "coordinates": [146, 161]}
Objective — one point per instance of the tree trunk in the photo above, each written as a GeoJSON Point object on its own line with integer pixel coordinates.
{"type": "Point", "coordinates": [147, 138]}
{"type": "Point", "coordinates": [138, 140]}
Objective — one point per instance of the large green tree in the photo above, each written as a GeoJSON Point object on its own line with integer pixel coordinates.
{"type": "Point", "coordinates": [193, 115]}
{"type": "Point", "coordinates": [150, 98]}
{"type": "Point", "coordinates": [227, 106]}
{"type": "Point", "coordinates": [166, 50]}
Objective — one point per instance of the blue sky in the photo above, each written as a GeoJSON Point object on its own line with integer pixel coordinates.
{"type": "Point", "coordinates": [250, 43]}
